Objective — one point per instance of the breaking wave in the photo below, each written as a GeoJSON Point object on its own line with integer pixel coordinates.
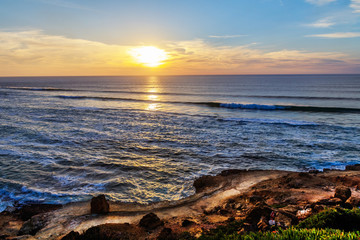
{"type": "Point", "coordinates": [230, 105]}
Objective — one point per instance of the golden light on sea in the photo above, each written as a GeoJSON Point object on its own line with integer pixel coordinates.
{"type": "Point", "coordinates": [149, 56]}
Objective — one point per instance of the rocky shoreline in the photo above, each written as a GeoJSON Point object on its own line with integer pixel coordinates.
{"type": "Point", "coordinates": [259, 199]}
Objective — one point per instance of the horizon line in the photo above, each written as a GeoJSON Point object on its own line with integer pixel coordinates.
{"type": "Point", "coordinates": [177, 75]}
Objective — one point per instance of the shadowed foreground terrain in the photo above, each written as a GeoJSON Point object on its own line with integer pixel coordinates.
{"type": "Point", "coordinates": [229, 205]}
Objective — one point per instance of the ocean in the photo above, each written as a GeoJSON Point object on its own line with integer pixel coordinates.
{"type": "Point", "coordinates": [145, 139]}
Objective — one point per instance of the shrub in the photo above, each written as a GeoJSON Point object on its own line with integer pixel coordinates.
{"type": "Point", "coordinates": [338, 218]}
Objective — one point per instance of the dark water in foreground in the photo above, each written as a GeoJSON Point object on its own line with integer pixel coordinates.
{"type": "Point", "coordinates": [146, 138]}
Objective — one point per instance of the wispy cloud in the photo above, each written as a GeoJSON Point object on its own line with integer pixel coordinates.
{"type": "Point", "coordinates": [322, 23]}
{"type": "Point", "coordinates": [64, 4]}
{"type": "Point", "coordinates": [36, 53]}
{"type": "Point", "coordinates": [337, 35]}
{"type": "Point", "coordinates": [355, 4]}
{"type": "Point", "coordinates": [226, 36]}
{"type": "Point", "coordinates": [320, 2]}
{"type": "Point", "coordinates": [199, 56]}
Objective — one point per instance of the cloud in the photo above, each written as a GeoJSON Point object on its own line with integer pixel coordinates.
{"type": "Point", "coordinates": [246, 60]}
{"type": "Point", "coordinates": [355, 4]}
{"type": "Point", "coordinates": [226, 36]}
{"type": "Point", "coordinates": [34, 53]}
{"type": "Point", "coordinates": [320, 2]}
{"type": "Point", "coordinates": [64, 4]}
{"type": "Point", "coordinates": [337, 35]}
{"type": "Point", "coordinates": [322, 23]}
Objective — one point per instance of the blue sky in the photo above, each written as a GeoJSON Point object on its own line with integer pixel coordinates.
{"type": "Point", "coordinates": [267, 29]}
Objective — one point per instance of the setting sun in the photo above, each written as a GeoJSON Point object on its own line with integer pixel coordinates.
{"type": "Point", "coordinates": [149, 56]}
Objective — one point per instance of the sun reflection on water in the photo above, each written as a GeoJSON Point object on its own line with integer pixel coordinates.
{"type": "Point", "coordinates": [152, 89]}
{"type": "Point", "coordinates": [152, 107]}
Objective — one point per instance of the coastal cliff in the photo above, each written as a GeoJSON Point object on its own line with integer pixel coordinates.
{"type": "Point", "coordinates": [259, 200]}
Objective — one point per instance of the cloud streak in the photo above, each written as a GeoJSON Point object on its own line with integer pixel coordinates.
{"type": "Point", "coordinates": [320, 2]}
{"type": "Point", "coordinates": [226, 36]}
{"type": "Point", "coordinates": [34, 53]}
{"type": "Point", "coordinates": [322, 23]}
{"type": "Point", "coordinates": [337, 35]}
{"type": "Point", "coordinates": [64, 4]}
{"type": "Point", "coordinates": [355, 4]}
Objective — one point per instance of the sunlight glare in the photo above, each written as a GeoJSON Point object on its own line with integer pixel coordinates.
{"type": "Point", "coordinates": [149, 56]}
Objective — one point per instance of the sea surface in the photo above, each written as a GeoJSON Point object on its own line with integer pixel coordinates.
{"type": "Point", "coordinates": [146, 139]}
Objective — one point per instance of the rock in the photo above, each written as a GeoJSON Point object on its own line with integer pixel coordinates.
{"type": "Point", "coordinates": [150, 221]}
{"type": "Point", "coordinates": [71, 236]}
{"type": "Point", "coordinates": [231, 219]}
{"type": "Point", "coordinates": [205, 182]}
{"type": "Point", "coordinates": [286, 219]}
{"type": "Point", "coordinates": [23, 237]}
{"type": "Point", "coordinates": [229, 172]}
{"type": "Point", "coordinates": [254, 215]}
{"type": "Point", "coordinates": [27, 211]}
{"type": "Point", "coordinates": [262, 224]}
{"type": "Point", "coordinates": [33, 225]}
{"type": "Point", "coordinates": [187, 223]}
{"type": "Point", "coordinates": [223, 212]}
{"type": "Point", "coordinates": [166, 234]}
{"type": "Point", "coordinates": [318, 208]}
{"type": "Point", "coordinates": [330, 201]}
{"type": "Point", "coordinates": [343, 193]}
{"type": "Point", "coordinates": [255, 199]}
{"type": "Point", "coordinates": [112, 231]}
{"type": "Point", "coordinates": [355, 167]}
{"type": "Point", "coordinates": [354, 201]}
{"type": "Point", "coordinates": [238, 206]}
{"type": "Point", "coordinates": [99, 205]}
{"type": "Point", "coordinates": [290, 209]}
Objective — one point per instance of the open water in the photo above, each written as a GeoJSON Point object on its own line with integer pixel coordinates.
{"type": "Point", "coordinates": [146, 139]}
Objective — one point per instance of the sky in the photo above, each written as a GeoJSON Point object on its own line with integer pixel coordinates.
{"type": "Point", "coordinates": [92, 37]}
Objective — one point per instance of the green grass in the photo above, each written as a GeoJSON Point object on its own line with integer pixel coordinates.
{"type": "Point", "coordinates": [330, 224]}
{"type": "Point", "coordinates": [289, 234]}
{"type": "Point", "coordinates": [338, 218]}
{"type": "Point", "coordinates": [227, 230]}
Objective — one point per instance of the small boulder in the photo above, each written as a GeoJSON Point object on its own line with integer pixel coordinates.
{"type": "Point", "coordinates": [166, 234]}
{"type": "Point", "coordinates": [187, 223]}
{"type": "Point", "coordinates": [205, 182]}
{"type": "Point", "coordinates": [354, 201]}
{"type": "Point", "coordinates": [33, 225]}
{"type": "Point", "coordinates": [254, 215]}
{"type": "Point", "coordinates": [71, 236]}
{"type": "Point", "coordinates": [355, 167]}
{"type": "Point", "coordinates": [99, 205]}
{"type": "Point", "coordinates": [112, 231]}
{"type": "Point", "coordinates": [343, 193]}
{"type": "Point", "coordinates": [150, 221]}
{"type": "Point", "coordinates": [27, 211]}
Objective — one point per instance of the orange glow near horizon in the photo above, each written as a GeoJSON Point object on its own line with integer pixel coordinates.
{"type": "Point", "coordinates": [149, 56]}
